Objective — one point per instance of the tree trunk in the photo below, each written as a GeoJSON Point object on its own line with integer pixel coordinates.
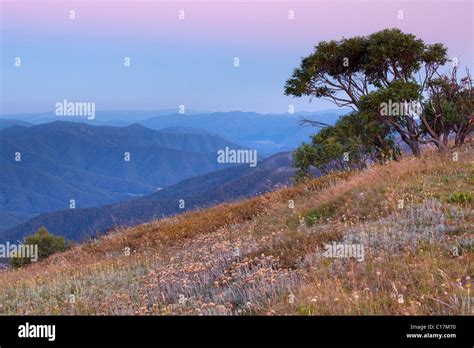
{"type": "Point", "coordinates": [415, 147]}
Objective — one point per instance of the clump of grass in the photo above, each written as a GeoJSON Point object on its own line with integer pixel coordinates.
{"type": "Point", "coordinates": [323, 213]}
{"type": "Point", "coordinates": [461, 197]}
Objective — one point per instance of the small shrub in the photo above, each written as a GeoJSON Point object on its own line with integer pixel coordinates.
{"type": "Point", "coordinates": [47, 244]}
{"type": "Point", "coordinates": [313, 217]}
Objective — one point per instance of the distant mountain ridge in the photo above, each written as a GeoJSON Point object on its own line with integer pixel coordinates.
{"type": "Point", "coordinates": [7, 123]}
{"type": "Point", "coordinates": [60, 161]}
{"type": "Point", "coordinates": [267, 133]}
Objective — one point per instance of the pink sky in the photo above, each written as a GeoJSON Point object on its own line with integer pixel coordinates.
{"type": "Point", "coordinates": [191, 59]}
{"type": "Point", "coordinates": [253, 23]}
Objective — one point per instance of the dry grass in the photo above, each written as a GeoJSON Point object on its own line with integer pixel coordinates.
{"type": "Point", "coordinates": [262, 256]}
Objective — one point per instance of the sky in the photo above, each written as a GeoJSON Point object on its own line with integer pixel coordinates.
{"type": "Point", "coordinates": [190, 61]}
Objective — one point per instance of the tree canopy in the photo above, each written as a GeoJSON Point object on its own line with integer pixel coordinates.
{"type": "Point", "coordinates": [368, 73]}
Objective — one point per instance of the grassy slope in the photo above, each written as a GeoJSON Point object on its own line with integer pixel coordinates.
{"type": "Point", "coordinates": [260, 256]}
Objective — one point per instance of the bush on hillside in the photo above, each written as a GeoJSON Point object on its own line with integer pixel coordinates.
{"type": "Point", "coordinates": [47, 244]}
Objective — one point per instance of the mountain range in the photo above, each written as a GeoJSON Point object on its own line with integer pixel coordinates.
{"type": "Point", "coordinates": [267, 133]}
{"type": "Point", "coordinates": [43, 167]}
{"type": "Point", "coordinates": [198, 192]}
{"type": "Point", "coordinates": [80, 177]}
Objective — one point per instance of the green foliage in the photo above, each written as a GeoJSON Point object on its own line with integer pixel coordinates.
{"type": "Point", "coordinates": [324, 213]}
{"type": "Point", "coordinates": [356, 135]}
{"type": "Point", "coordinates": [313, 217]}
{"type": "Point", "coordinates": [47, 244]}
{"type": "Point", "coordinates": [393, 55]}
{"type": "Point", "coordinates": [328, 59]}
{"type": "Point", "coordinates": [398, 92]}
{"type": "Point", "coordinates": [344, 71]}
{"type": "Point", "coordinates": [461, 197]}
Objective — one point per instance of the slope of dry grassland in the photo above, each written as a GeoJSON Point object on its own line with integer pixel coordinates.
{"type": "Point", "coordinates": [263, 256]}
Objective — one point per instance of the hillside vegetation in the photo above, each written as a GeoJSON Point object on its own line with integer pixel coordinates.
{"type": "Point", "coordinates": [262, 256]}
